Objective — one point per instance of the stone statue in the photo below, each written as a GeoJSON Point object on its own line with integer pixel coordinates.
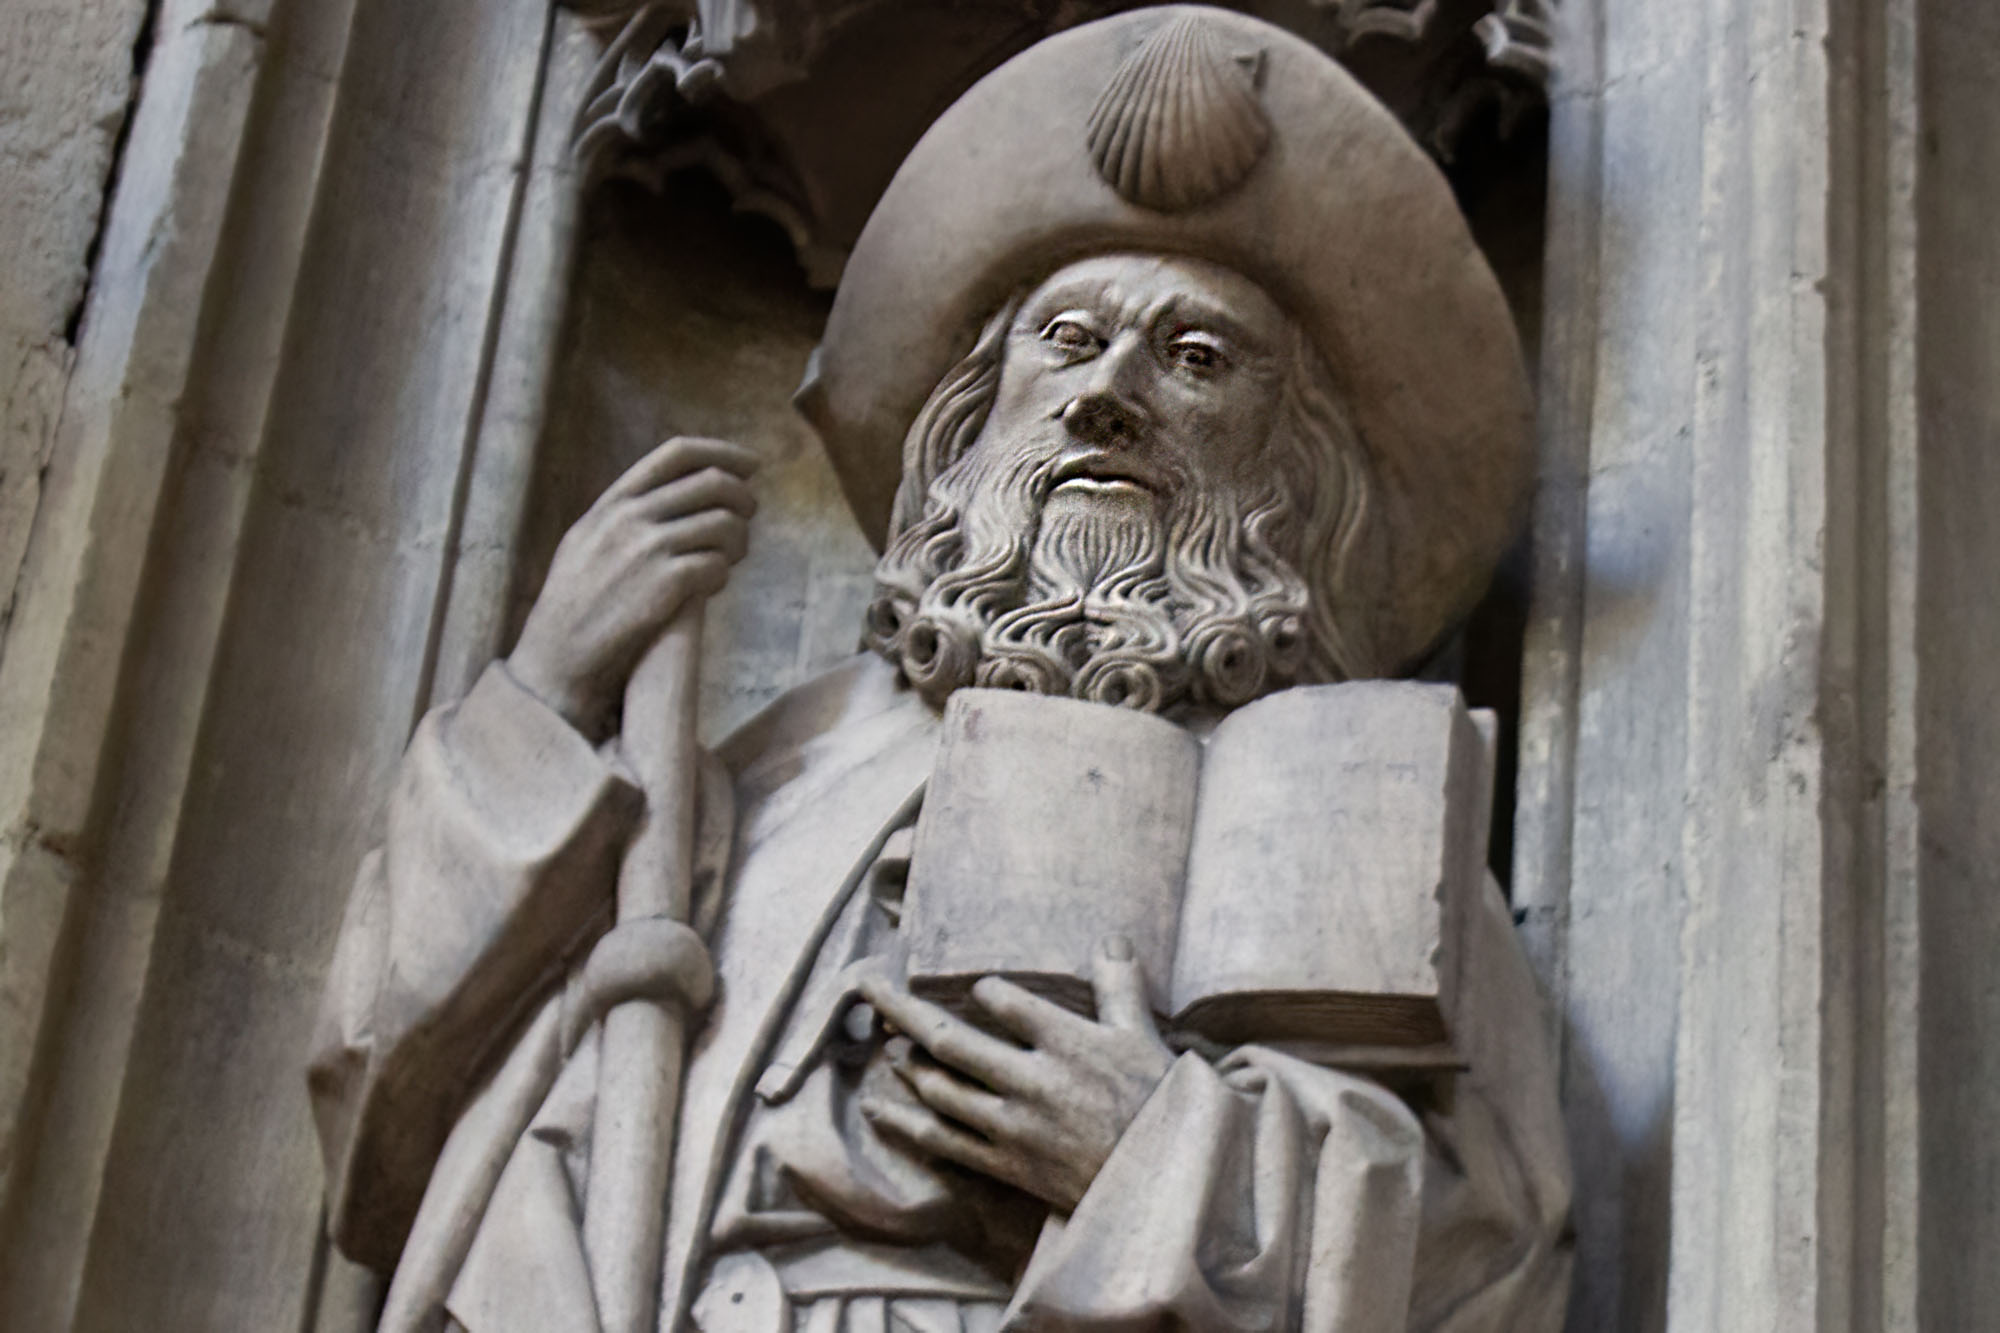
{"type": "Point", "coordinates": [1202, 393]}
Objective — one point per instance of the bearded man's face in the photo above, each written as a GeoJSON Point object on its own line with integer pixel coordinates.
{"type": "Point", "coordinates": [1119, 529]}
{"type": "Point", "coordinates": [1140, 381]}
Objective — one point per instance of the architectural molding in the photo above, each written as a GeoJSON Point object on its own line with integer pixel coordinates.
{"type": "Point", "coordinates": [1717, 830]}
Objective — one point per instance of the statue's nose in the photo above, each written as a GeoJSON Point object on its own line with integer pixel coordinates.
{"type": "Point", "coordinates": [1101, 418]}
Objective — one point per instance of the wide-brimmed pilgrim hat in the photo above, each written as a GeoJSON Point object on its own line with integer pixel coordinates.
{"type": "Point", "coordinates": [1198, 131]}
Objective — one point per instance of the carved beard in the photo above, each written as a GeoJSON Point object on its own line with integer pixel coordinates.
{"type": "Point", "coordinates": [1146, 607]}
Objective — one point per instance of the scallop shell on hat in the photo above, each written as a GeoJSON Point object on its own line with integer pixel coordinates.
{"type": "Point", "coordinates": [1180, 123]}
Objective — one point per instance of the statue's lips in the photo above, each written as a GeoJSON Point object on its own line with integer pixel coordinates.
{"type": "Point", "coordinates": [1107, 473]}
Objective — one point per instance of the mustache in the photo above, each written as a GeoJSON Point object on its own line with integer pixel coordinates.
{"type": "Point", "coordinates": [1139, 606]}
{"type": "Point", "coordinates": [1046, 458]}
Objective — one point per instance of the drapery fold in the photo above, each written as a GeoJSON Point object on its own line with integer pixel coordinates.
{"type": "Point", "coordinates": [1260, 1191]}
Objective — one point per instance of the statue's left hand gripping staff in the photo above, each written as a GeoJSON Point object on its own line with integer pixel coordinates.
{"type": "Point", "coordinates": [635, 571]}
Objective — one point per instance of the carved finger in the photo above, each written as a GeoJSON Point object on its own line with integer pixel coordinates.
{"type": "Point", "coordinates": [698, 574]}
{"type": "Point", "coordinates": [950, 1040]}
{"type": "Point", "coordinates": [710, 488]}
{"type": "Point", "coordinates": [1021, 1013]}
{"type": "Point", "coordinates": [946, 1093]}
{"type": "Point", "coordinates": [926, 1131]}
{"type": "Point", "coordinates": [1119, 983]}
{"type": "Point", "coordinates": [680, 456]}
{"type": "Point", "coordinates": [719, 530]}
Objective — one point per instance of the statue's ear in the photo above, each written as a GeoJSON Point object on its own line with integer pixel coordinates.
{"type": "Point", "coordinates": [809, 399]}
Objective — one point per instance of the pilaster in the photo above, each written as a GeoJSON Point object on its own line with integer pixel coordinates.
{"type": "Point", "coordinates": [1722, 668]}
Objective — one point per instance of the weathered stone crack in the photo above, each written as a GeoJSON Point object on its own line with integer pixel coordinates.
{"type": "Point", "coordinates": [142, 55]}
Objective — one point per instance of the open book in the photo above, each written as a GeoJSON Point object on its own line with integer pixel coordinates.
{"type": "Point", "coordinates": [1305, 874]}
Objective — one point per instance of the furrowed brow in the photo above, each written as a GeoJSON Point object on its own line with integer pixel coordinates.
{"type": "Point", "coordinates": [1182, 310]}
{"type": "Point", "coordinates": [1079, 295]}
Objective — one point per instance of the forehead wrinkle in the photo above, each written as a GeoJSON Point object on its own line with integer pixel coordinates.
{"type": "Point", "coordinates": [1101, 294]}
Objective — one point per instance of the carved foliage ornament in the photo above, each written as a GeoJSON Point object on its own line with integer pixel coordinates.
{"type": "Point", "coordinates": [1520, 36]}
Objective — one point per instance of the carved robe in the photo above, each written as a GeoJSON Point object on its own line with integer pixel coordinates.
{"type": "Point", "coordinates": [456, 1057]}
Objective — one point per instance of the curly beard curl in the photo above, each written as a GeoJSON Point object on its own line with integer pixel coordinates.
{"type": "Point", "coordinates": [1207, 606]}
{"type": "Point", "coordinates": [1092, 623]}
{"type": "Point", "coordinates": [990, 588]}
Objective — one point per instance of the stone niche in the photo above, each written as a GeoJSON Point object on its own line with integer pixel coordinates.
{"type": "Point", "coordinates": [690, 319]}
{"type": "Point", "coordinates": [707, 251]}
{"type": "Point", "coordinates": [328, 316]}
{"type": "Point", "coordinates": [715, 194]}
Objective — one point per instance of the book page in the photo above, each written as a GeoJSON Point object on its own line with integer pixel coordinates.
{"type": "Point", "coordinates": [1333, 828]}
{"type": "Point", "coordinates": [1048, 824]}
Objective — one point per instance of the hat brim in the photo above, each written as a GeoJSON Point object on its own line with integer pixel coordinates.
{"type": "Point", "coordinates": [1344, 221]}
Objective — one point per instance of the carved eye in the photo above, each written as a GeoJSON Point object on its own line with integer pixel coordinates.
{"type": "Point", "coordinates": [1071, 335]}
{"type": "Point", "coordinates": [1196, 352]}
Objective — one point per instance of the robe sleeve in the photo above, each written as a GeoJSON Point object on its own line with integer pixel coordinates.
{"type": "Point", "coordinates": [503, 835]}
{"type": "Point", "coordinates": [1261, 1193]}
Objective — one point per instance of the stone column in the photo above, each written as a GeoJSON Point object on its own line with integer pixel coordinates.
{"type": "Point", "coordinates": [1760, 680]}
{"type": "Point", "coordinates": [1942, 1138]}
{"type": "Point", "coordinates": [117, 567]}
{"type": "Point", "coordinates": [226, 618]}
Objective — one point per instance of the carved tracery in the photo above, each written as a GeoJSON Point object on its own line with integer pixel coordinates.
{"type": "Point", "coordinates": [743, 89]}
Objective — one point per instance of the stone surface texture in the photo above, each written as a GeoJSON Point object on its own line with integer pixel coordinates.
{"type": "Point", "coordinates": [67, 74]}
{"type": "Point", "coordinates": [760, 1118]}
{"type": "Point", "coordinates": [1728, 810]}
{"type": "Point", "coordinates": [298, 390]}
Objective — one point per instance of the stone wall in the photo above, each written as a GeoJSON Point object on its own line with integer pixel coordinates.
{"type": "Point", "coordinates": [689, 320]}
{"type": "Point", "coordinates": [66, 75]}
